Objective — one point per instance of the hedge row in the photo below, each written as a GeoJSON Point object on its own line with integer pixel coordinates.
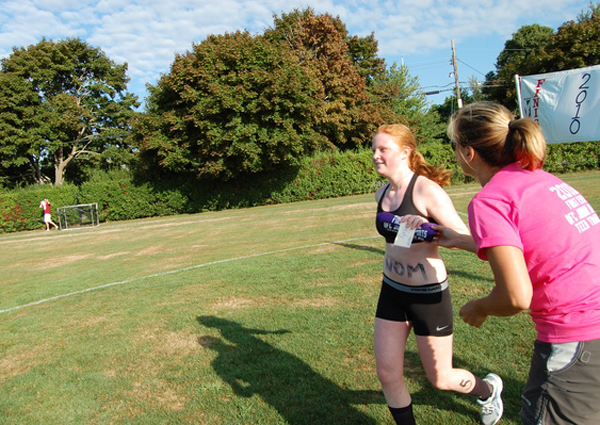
{"type": "Point", "coordinates": [20, 209]}
{"type": "Point", "coordinates": [119, 197]}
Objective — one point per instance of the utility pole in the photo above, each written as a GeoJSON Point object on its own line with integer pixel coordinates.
{"type": "Point", "coordinates": [458, 98]}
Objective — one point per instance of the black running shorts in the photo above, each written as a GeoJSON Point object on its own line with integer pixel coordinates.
{"type": "Point", "coordinates": [427, 307]}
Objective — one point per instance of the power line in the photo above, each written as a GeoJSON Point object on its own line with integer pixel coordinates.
{"type": "Point", "coordinates": [436, 86]}
{"type": "Point", "coordinates": [466, 64]}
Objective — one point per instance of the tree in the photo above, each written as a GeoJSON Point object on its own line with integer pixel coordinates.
{"type": "Point", "coordinates": [409, 101]}
{"type": "Point", "coordinates": [575, 44]}
{"type": "Point", "coordinates": [341, 65]}
{"type": "Point", "coordinates": [235, 104]}
{"type": "Point", "coordinates": [450, 106]}
{"type": "Point", "coordinates": [476, 89]}
{"type": "Point", "coordinates": [535, 49]}
{"type": "Point", "coordinates": [363, 54]}
{"type": "Point", "coordinates": [523, 54]}
{"type": "Point", "coordinates": [19, 154]}
{"type": "Point", "coordinates": [238, 104]}
{"type": "Point", "coordinates": [65, 101]}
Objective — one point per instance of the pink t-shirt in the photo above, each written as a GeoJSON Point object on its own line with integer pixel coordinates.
{"type": "Point", "coordinates": [559, 234]}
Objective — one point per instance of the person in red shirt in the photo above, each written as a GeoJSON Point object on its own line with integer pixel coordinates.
{"type": "Point", "coordinates": [45, 205]}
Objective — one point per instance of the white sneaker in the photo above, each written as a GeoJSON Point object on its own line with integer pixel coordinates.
{"type": "Point", "coordinates": [492, 408]}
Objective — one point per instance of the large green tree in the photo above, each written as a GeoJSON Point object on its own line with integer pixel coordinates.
{"type": "Point", "coordinates": [341, 65]}
{"type": "Point", "coordinates": [239, 103]}
{"type": "Point", "coordinates": [363, 53]}
{"type": "Point", "coordinates": [536, 49]}
{"type": "Point", "coordinates": [402, 101]}
{"type": "Point", "coordinates": [19, 133]}
{"type": "Point", "coordinates": [576, 43]}
{"type": "Point", "coordinates": [235, 104]}
{"type": "Point", "coordinates": [61, 102]}
{"type": "Point", "coordinates": [405, 96]}
{"type": "Point", "coordinates": [523, 54]}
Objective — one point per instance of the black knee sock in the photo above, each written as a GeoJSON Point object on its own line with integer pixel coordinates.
{"type": "Point", "coordinates": [482, 389]}
{"type": "Point", "coordinates": [403, 415]}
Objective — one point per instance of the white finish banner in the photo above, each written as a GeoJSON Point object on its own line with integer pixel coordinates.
{"type": "Point", "coordinates": [566, 104]}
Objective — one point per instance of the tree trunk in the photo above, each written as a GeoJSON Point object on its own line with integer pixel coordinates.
{"type": "Point", "coordinates": [36, 171]}
{"type": "Point", "coordinates": [59, 168]}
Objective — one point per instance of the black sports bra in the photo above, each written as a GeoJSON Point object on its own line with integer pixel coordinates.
{"type": "Point", "coordinates": [407, 206]}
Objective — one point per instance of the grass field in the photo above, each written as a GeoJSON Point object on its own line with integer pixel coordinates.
{"type": "Point", "coordinates": [256, 316]}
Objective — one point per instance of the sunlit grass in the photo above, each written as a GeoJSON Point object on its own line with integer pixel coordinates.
{"type": "Point", "coordinates": [256, 316]}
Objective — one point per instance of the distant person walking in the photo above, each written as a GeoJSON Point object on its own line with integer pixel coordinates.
{"type": "Point", "coordinates": [45, 205]}
{"type": "Point", "coordinates": [542, 240]}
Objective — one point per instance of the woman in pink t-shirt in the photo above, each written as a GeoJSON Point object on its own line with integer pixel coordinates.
{"type": "Point", "coordinates": [542, 240]}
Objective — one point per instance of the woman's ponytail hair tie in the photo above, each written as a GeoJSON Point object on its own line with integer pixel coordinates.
{"type": "Point", "coordinates": [511, 124]}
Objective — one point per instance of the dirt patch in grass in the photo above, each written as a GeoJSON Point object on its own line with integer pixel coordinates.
{"type": "Point", "coordinates": [324, 302]}
{"type": "Point", "coordinates": [234, 303]}
{"type": "Point", "coordinates": [151, 250]}
{"type": "Point", "coordinates": [157, 393]}
{"type": "Point", "coordinates": [54, 262]}
{"type": "Point", "coordinates": [113, 255]}
{"type": "Point", "coordinates": [178, 342]}
{"type": "Point", "coordinates": [172, 344]}
{"type": "Point", "coordinates": [360, 206]}
{"type": "Point", "coordinates": [323, 249]}
{"type": "Point", "coordinates": [21, 360]}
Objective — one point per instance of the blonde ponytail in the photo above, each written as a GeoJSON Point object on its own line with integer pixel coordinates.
{"type": "Point", "coordinates": [498, 138]}
{"type": "Point", "coordinates": [526, 140]}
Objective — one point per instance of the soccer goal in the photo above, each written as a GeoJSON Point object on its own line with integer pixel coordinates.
{"type": "Point", "coordinates": [78, 216]}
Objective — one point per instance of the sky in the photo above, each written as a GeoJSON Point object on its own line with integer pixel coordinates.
{"type": "Point", "coordinates": [417, 33]}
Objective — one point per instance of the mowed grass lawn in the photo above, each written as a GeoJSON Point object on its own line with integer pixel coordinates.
{"type": "Point", "coordinates": [255, 316]}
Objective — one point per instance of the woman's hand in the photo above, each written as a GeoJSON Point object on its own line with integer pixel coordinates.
{"type": "Point", "coordinates": [471, 314]}
{"type": "Point", "coordinates": [413, 221]}
{"type": "Point", "coordinates": [450, 238]}
{"type": "Point", "coordinates": [512, 292]}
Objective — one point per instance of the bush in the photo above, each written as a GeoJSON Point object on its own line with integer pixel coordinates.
{"type": "Point", "coordinates": [124, 200]}
{"type": "Point", "coordinates": [569, 157]}
{"type": "Point", "coordinates": [20, 208]}
{"type": "Point", "coordinates": [437, 153]}
{"type": "Point", "coordinates": [326, 175]}
{"type": "Point", "coordinates": [12, 218]}
{"type": "Point", "coordinates": [330, 176]}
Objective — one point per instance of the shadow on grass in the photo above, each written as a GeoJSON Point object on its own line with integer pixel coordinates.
{"type": "Point", "coordinates": [472, 277]}
{"type": "Point", "coordinates": [300, 395]}
{"type": "Point", "coordinates": [361, 247]}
